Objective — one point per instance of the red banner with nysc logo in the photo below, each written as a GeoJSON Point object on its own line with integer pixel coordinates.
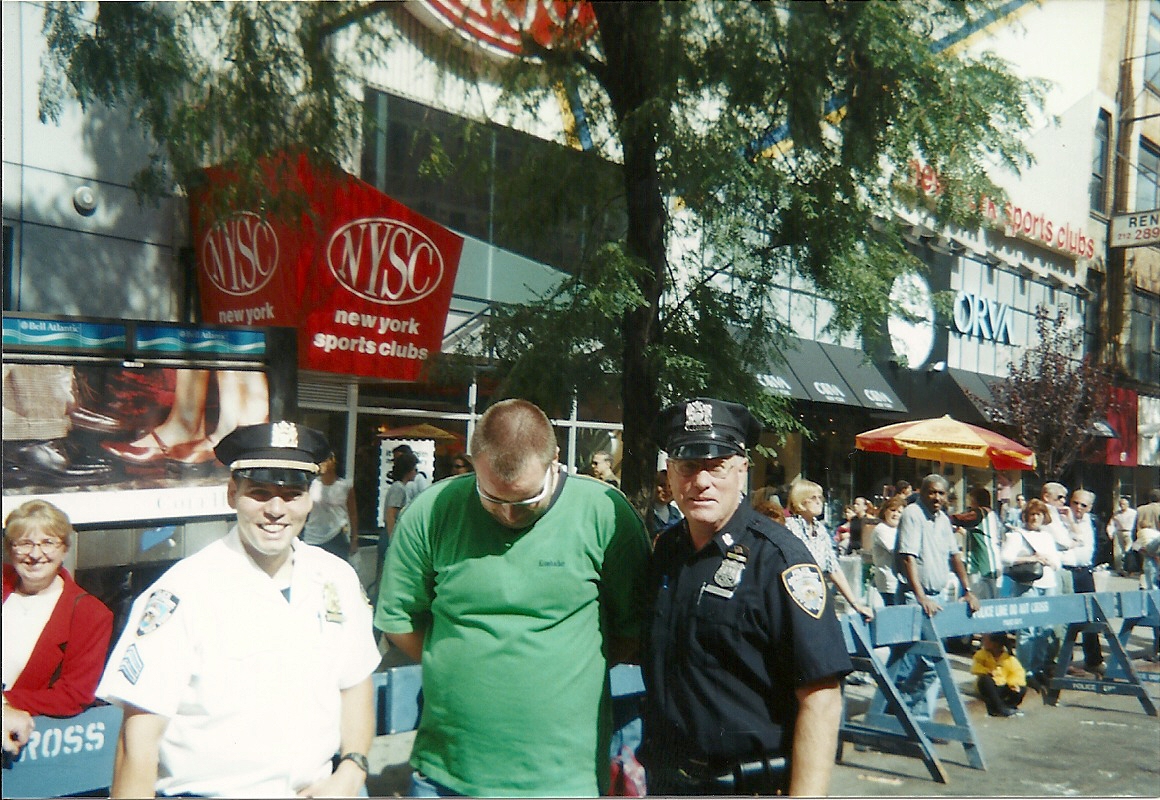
{"type": "Point", "coordinates": [365, 280]}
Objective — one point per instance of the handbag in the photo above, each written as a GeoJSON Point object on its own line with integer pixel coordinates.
{"type": "Point", "coordinates": [1025, 572]}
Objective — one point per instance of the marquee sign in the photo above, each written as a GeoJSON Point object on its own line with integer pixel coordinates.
{"type": "Point", "coordinates": [499, 26]}
{"type": "Point", "coordinates": [365, 280]}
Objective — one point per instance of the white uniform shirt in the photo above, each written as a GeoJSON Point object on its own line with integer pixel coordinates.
{"type": "Point", "coordinates": [250, 682]}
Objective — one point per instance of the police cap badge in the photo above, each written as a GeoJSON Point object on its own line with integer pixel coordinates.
{"type": "Point", "coordinates": [706, 428]}
{"type": "Point", "coordinates": [281, 453]}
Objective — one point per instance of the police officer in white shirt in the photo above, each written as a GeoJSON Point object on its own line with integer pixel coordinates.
{"type": "Point", "coordinates": [245, 670]}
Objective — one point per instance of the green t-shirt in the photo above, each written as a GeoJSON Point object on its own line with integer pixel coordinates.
{"type": "Point", "coordinates": [515, 698]}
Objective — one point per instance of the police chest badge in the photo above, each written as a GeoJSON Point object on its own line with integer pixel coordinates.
{"type": "Point", "coordinates": [332, 604]}
{"type": "Point", "coordinates": [158, 610]}
{"type": "Point", "coordinates": [805, 585]}
{"type": "Point", "coordinates": [728, 574]}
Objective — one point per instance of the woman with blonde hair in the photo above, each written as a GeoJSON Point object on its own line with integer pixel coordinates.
{"type": "Point", "coordinates": [804, 506]}
{"type": "Point", "coordinates": [56, 636]}
{"type": "Point", "coordinates": [882, 543]}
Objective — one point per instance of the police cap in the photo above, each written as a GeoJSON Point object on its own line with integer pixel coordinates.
{"type": "Point", "coordinates": [706, 428]}
{"type": "Point", "coordinates": [281, 453]}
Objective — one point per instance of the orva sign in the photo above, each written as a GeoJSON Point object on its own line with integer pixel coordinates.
{"type": "Point", "coordinates": [986, 319]}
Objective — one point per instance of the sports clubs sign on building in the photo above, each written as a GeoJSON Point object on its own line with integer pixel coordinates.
{"type": "Point", "coordinates": [365, 280]}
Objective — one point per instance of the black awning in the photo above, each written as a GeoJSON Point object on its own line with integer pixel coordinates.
{"type": "Point", "coordinates": [780, 380]}
{"type": "Point", "coordinates": [816, 374]}
{"type": "Point", "coordinates": [932, 393]}
{"type": "Point", "coordinates": [870, 388]}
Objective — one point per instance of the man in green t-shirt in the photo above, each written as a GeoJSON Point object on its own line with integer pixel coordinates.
{"type": "Point", "coordinates": [516, 587]}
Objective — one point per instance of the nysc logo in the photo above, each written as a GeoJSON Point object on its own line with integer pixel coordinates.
{"type": "Point", "coordinates": [240, 254]}
{"type": "Point", "coordinates": [385, 260]}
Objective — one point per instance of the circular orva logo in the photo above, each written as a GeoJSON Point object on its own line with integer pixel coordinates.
{"type": "Point", "coordinates": [240, 254]}
{"type": "Point", "coordinates": [385, 260]}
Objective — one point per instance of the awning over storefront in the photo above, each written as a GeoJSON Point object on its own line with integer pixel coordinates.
{"type": "Point", "coordinates": [817, 374]}
{"type": "Point", "coordinates": [826, 373]}
{"type": "Point", "coordinates": [975, 389]}
{"type": "Point", "coordinates": [870, 388]}
{"type": "Point", "coordinates": [780, 380]}
{"type": "Point", "coordinates": [932, 393]}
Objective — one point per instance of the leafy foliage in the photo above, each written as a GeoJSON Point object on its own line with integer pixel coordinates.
{"type": "Point", "coordinates": [214, 83]}
{"type": "Point", "coordinates": [754, 141]}
{"type": "Point", "coordinates": [781, 128]}
{"type": "Point", "coordinates": [1050, 399]}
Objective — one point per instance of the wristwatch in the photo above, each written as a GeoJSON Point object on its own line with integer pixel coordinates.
{"type": "Point", "coordinates": [359, 760]}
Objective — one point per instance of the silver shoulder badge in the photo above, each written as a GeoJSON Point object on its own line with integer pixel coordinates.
{"type": "Point", "coordinates": [804, 584]}
{"type": "Point", "coordinates": [158, 610]}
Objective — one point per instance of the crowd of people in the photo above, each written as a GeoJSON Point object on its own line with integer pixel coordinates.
{"type": "Point", "coordinates": [246, 668]}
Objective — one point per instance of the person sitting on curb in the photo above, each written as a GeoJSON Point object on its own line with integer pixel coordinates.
{"type": "Point", "coordinates": [1002, 682]}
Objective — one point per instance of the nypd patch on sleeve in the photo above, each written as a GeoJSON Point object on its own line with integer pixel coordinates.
{"type": "Point", "coordinates": [158, 611]}
{"type": "Point", "coordinates": [806, 587]}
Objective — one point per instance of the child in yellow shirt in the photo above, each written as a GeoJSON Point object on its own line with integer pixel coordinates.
{"type": "Point", "coordinates": [1002, 682]}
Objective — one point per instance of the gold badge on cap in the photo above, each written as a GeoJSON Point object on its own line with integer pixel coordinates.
{"type": "Point", "coordinates": [698, 416]}
{"type": "Point", "coordinates": [284, 434]}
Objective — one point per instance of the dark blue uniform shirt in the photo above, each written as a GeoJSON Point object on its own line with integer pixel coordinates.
{"type": "Point", "coordinates": [733, 631]}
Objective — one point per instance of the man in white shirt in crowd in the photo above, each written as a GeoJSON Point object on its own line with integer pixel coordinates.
{"type": "Point", "coordinates": [1077, 560]}
{"type": "Point", "coordinates": [1054, 494]}
{"type": "Point", "coordinates": [1120, 528]}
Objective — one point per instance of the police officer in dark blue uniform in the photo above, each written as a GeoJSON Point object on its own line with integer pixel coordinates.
{"type": "Point", "coordinates": [743, 655]}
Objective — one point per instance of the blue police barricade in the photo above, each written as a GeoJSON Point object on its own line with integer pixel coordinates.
{"type": "Point", "coordinates": [889, 725]}
{"type": "Point", "coordinates": [67, 755]}
{"type": "Point", "coordinates": [399, 697]}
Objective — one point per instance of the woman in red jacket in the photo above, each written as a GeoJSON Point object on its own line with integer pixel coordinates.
{"type": "Point", "coordinates": [56, 636]}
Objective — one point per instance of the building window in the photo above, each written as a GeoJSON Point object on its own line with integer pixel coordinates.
{"type": "Point", "coordinates": [9, 278]}
{"type": "Point", "coordinates": [476, 178]}
{"type": "Point", "coordinates": [1152, 54]}
{"type": "Point", "coordinates": [1148, 177]}
{"type": "Point", "coordinates": [1144, 352]}
{"type": "Point", "coordinates": [1099, 184]}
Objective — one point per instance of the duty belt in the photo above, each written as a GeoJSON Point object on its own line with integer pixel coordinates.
{"type": "Point", "coordinates": [762, 776]}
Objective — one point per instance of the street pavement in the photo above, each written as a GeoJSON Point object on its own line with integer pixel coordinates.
{"type": "Point", "coordinates": [1088, 745]}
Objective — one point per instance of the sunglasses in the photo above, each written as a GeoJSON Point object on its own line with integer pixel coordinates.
{"type": "Point", "coordinates": [531, 501]}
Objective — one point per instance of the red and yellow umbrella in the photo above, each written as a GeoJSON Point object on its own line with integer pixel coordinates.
{"type": "Point", "coordinates": [946, 439]}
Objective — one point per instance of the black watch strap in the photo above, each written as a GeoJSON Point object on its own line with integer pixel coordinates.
{"type": "Point", "coordinates": [359, 760]}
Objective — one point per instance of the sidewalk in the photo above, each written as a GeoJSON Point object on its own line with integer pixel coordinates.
{"type": "Point", "coordinates": [1087, 745]}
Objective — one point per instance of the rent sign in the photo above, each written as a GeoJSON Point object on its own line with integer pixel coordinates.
{"type": "Point", "coordinates": [1135, 230]}
{"type": "Point", "coordinates": [365, 280]}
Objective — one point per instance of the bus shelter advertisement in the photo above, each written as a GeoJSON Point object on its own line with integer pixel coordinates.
{"type": "Point", "coordinates": [365, 280]}
{"type": "Point", "coordinates": [116, 421]}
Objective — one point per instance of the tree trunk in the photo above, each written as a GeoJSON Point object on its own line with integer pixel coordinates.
{"type": "Point", "coordinates": [627, 31]}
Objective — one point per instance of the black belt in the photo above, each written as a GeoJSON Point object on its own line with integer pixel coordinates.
{"type": "Point", "coordinates": [767, 776]}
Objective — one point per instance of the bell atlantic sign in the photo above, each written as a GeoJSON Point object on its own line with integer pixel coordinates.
{"type": "Point", "coordinates": [365, 280]}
